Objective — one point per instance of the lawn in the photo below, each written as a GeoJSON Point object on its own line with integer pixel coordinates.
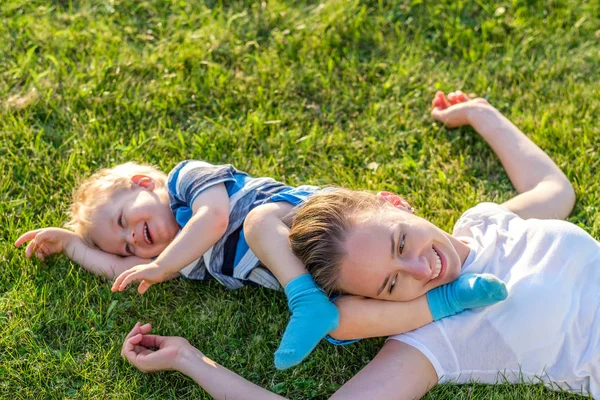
{"type": "Point", "coordinates": [336, 92]}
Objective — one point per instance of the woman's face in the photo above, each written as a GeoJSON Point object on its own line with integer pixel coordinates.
{"type": "Point", "coordinates": [395, 255]}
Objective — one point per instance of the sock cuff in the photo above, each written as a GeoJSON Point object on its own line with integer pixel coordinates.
{"type": "Point", "coordinates": [438, 303]}
{"type": "Point", "coordinates": [300, 285]}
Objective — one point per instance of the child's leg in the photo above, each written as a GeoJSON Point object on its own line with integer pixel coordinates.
{"type": "Point", "coordinates": [313, 315]}
{"type": "Point", "coordinates": [468, 291]}
{"type": "Point", "coordinates": [363, 318]}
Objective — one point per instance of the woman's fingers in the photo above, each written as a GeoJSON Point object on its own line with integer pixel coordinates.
{"type": "Point", "coordinates": [439, 114]}
{"type": "Point", "coordinates": [457, 97]}
{"type": "Point", "coordinates": [127, 350]}
{"type": "Point", "coordinates": [439, 101]}
{"type": "Point", "coordinates": [152, 341]}
{"type": "Point", "coordinates": [461, 96]}
{"type": "Point", "coordinates": [134, 331]}
{"type": "Point", "coordinates": [144, 329]}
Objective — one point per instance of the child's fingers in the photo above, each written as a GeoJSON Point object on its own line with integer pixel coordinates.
{"type": "Point", "coordinates": [30, 249]}
{"type": "Point", "coordinates": [132, 277]}
{"type": "Point", "coordinates": [41, 255]}
{"type": "Point", "coordinates": [144, 286]}
{"type": "Point", "coordinates": [118, 284]}
{"type": "Point", "coordinates": [26, 237]}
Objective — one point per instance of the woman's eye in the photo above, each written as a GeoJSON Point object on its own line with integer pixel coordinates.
{"type": "Point", "coordinates": [120, 220]}
{"type": "Point", "coordinates": [128, 249]}
{"type": "Point", "coordinates": [401, 247]}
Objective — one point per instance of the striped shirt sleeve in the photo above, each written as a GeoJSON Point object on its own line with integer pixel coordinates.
{"type": "Point", "coordinates": [191, 177]}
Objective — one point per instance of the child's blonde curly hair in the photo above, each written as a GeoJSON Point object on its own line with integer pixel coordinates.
{"type": "Point", "coordinates": [99, 188]}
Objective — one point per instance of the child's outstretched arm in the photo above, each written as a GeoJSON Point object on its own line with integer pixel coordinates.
{"type": "Point", "coordinates": [204, 229]}
{"type": "Point", "coordinates": [544, 191]}
{"type": "Point", "coordinates": [313, 315]}
{"type": "Point", "coordinates": [47, 241]}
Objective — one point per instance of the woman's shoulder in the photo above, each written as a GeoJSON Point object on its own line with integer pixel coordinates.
{"type": "Point", "coordinates": [482, 215]}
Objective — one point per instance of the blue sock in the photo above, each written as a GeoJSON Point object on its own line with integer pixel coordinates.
{"type": "Point", "coordinates": [313, 317]}
{"type": "Point", "coordinates": [468, 291]}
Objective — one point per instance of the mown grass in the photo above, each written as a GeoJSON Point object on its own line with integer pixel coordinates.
{"type": "Point", "coordinates": [307, 92]}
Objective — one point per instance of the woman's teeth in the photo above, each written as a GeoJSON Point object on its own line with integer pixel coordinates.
{"type": "Point", "coordinates": [437, 267]}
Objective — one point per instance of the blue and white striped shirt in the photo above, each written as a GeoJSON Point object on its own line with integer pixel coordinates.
{"type": "Point", "coordinates": [230, 259]}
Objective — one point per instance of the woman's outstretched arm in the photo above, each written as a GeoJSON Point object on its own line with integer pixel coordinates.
{"type": "Point", "coordinates": [398, 372]}
{"type": "Point", "coordinates": [544, 191]}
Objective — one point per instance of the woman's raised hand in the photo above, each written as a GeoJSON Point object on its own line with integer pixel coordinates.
{"type": "Point", "coordinates": [455, 110]}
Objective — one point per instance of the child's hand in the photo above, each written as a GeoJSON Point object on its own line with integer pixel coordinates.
{"type": "Point", "coordinates": [138, 344]}
{"type": "Point", "coordinates": [454, 111]}
{"type": "Point", "coordinates": [149, 274]}
{"type": "Point", "coordinates": [45, 242]}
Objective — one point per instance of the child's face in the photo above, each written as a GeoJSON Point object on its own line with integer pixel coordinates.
{"type": "Point", "coordinates": [136, 221]}
{"type": "Point", "coordinates": [399, 256]}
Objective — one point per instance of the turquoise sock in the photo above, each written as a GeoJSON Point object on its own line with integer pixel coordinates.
{"type": "Point", "coordinates": [468, 291]}
{"type": "Point", "coordinates": [313, 317]}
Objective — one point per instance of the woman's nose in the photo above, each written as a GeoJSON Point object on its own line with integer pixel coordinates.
{"type": "Point", "coordinates": [417, 267]}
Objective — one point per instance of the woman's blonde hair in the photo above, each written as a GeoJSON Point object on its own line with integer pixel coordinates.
{"type": "Point", "coordinates": [99, 188]}
{"type": "Point", "coordinates": [320, 228]}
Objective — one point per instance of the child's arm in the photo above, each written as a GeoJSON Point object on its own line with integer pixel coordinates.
{"type": "Point", "coordinates": [544, 191]}
{"type": "Point", "coordinates": [267, 236]}
{"type": "Point", "coordinates": [47, 241]}
{"type": "Point", "coordinates": [205, 228]}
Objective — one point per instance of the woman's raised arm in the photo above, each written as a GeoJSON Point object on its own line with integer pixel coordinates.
{"type": "Point", "coordinates": [544, 191]}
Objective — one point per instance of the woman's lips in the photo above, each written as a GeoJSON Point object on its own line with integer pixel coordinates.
{"type": "Point", "coordinates": [443, 263]}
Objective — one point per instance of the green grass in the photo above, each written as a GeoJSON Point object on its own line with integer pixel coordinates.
{"type": "Point", "coordinates": [301, 91]}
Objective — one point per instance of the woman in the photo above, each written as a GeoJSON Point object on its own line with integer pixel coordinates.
{"type": "Point", "coordinates": [547, 330]}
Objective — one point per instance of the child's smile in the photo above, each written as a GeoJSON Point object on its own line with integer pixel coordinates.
{"type": "Point", "coordinates": [136, 221]}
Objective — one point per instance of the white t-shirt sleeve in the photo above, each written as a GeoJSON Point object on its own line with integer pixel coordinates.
{"type": "Point", "coordinates": [431, 340]}
{"type": "Point", "coordinates": [478, 219]}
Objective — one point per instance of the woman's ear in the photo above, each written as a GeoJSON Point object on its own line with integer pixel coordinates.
{"type": "Point", "coordinates": [143, 181]}
{"type": "Point", "coordinates": [395, 200]}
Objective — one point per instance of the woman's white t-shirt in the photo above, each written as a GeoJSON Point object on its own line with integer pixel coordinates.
{"type": "Point", "coordinates": [547, 330]}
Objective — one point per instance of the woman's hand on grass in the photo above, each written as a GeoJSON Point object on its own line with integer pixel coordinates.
{"type": "Point", "coordinates": [456, 110]}
{"type": "Point", "coordinates": [148, 274]}
{"type": "Point", "coordinates": [152, 353]}
{"type": "Point", "coordinates": [46, 241]}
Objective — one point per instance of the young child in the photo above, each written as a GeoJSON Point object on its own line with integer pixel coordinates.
{"type": "Point", "coordinates": [134, 223]}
